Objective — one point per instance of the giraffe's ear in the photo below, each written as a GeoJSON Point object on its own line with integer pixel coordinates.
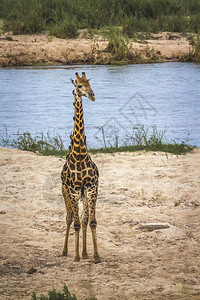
{"type": "Point", "coordinates": [72, 81]}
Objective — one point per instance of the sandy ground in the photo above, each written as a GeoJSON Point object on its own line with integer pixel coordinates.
{"type": "Point", "coordinates": [139, 192]}
{"type": "Point", "coordinates": [26, 50]}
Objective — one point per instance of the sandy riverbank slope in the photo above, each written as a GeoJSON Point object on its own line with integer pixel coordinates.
{"type": "Point", "coordinates": [136, 189]}
{"type": "Point", "coordinates": [26, 50]}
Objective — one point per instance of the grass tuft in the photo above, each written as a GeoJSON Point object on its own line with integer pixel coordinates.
{"type": "Point", "coordinates": [44, 144]}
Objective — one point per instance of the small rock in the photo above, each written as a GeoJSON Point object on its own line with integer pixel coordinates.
{"type": "Point", "coordinates": [31, 270]}
{"type": "Point", "coordinates": [151, 227]}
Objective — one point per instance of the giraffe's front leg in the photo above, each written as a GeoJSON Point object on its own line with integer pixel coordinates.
{"type": "Point", "coordinates": [68, 218]}
{"type": "Point", "coordinates": [92, 195]}
{"type": "Point", "coordinates": [68, 221]}
{"type": "Point", "coordinates": [74, 203]}
{"type": "Point", "coordinates": [84, 227]}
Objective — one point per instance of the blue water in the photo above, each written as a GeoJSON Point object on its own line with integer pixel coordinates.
{"type": "Point", "coordinates": [167, 95]}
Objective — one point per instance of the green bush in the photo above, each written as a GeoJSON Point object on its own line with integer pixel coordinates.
{"type": "Point", "coordinates": [129, 27]}
{"type": "Point", "coordinates": [118, 46]}
{"type": "Point", "coordinates": [194, 53]}
{"type": "Point", "coordinates": [196, 45]}
{"type": "Point", "coordinates": [54, 295]}
{"type": "Point", "coordinates": [66, 29]}
{"type": "Point", "coordinates": [23, 16]}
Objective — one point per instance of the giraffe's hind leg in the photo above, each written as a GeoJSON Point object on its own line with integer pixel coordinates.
{"type": "Point", "coordinates": [92, 195]}
{"type": "Point", "coordinates": [75, 196]}
{"type": "Point", "coordinates": [84, 222]}
{"type": "Point", "coordinates": [68, 221]}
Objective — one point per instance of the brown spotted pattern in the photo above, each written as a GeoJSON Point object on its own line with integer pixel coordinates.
{"type": "Point", "coordinates": [80, 176]}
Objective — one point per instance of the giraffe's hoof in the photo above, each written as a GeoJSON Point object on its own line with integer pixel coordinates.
{"type": "Point", "coordinates": [64, 253]}
{"type": "Point", "coordinates": [97, 259]}
{"type": "Point", "coordinates": [77, 259]}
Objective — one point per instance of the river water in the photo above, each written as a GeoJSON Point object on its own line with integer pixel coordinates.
{"type": "Point", "coordinates": [167, 95]}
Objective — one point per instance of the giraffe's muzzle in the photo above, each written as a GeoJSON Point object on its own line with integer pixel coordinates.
{"type": "Point", "coordinates": [91, 96]}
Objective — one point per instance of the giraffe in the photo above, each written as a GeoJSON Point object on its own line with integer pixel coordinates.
{"type": "Point", "coordinates": [80, 177]}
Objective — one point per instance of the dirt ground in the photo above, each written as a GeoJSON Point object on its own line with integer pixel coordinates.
{"type": "Point", "coordinates": [148, 228]}
{"type": "Point", "coordinates": [28, 50]}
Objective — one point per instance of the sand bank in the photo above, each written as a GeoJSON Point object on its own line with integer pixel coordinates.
{"type": "Point", "coordinates": [28, 50]}
{"type": "Point", "coordinates": [148, 227]}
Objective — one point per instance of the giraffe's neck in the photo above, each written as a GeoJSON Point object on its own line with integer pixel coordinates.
{"type": "Point", "coordinates": [78, 139]}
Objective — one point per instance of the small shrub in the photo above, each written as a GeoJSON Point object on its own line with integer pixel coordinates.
{"type": "Point", "coordinates": [5, 139]}
{"type": "Point", "coordinates": [194, 54]}
{"type": "Point", "coordinates": [26, 142]}
{"type": "Point", "coordinates": [65, 29]}
{"type": "Point", "coordinates": [149, 137]}
{"type": "Point", "coordinates": [118, 46]}
{"type": "Point", "coordinates": [151, 54]}
{"type": "Point", "coordinates": [196, 46]}
{"type": "Point", "coordinates": [54, 295]}
{"type": "Point", "coordinates": [156, 137]}
{"type": "Point", "coordinates": [129, 27]}
{"type": "Point", "coordinates": [16, 26]}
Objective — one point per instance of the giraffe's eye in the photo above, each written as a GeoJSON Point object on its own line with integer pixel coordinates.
{"type": "Point", "coordinates": [79, 86]}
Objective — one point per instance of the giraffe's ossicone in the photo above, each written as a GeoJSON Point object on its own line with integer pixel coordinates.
{"type": "Point", "coordinates": [80, 176]}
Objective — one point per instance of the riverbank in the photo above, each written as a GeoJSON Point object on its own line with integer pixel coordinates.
{"type": "Point", "coordinates": [148, 227]}
{"type": "Point", "coordinates": [34, 50]}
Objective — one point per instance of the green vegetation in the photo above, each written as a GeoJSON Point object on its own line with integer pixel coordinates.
{"type": "Point", "coordinates": [120, 50]}
{"type": "Point", "coordinates": [117, 20]}
{"type": "Point", "coordinates": [53, 295]}
{"type": "Point", "coordinates": [185, 291]}
{"type": "Point", "coordinates": [45, 145]}
{"type": "Point", "coordinates": [168, 148]}
{"type": "Point", "coordinates": [1, 26]}
{"type": "Point", "coordinates": [66, 29]}
{"type": "Point", "coordinates": [118, 46]}
{"type": "Point", "coordinates": [148, 139]}
{"type": "Point", "coordinates": [63, 18]}
{"type": "Point", "coordinates": [196, 45]}
{"type": "Point", "coordinates": [194, 53]}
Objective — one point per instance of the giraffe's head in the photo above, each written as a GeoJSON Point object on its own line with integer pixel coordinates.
{"type": "Point", "coordinates": [82, 86]}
